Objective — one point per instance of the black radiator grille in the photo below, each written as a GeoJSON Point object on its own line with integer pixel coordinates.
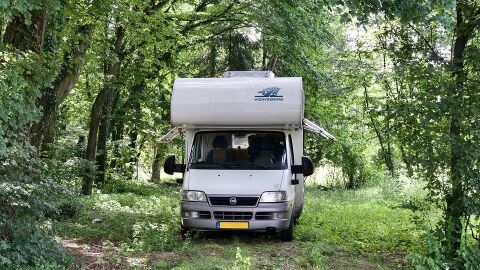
{"type": "Point", "coordinates": [264, 215]}
{"type": "Point", "coordinates": [204, 215]}
{"type": "Point", "coordinates": [240, 201]}
{"type": "Point", "coordinates": [221, 215]}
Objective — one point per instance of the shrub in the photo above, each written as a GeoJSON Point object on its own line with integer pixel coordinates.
{"type": "Point", "coordinates": [241, 262]}
{"type": "Point", "coordinates": [315, 256]}
{"type": "Point", "coordinates": [471, 254]}
{"type": "Point", "coordinates": [130, 186]}
{"type": "Point", "coordinates": [156, 236]}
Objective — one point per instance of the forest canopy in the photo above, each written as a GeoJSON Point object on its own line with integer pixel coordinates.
{"type": "Point", "coordinates": [85, 90]}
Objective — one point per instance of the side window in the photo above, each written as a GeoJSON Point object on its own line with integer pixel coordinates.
{"type": "Point", "coordinates": [196, 151]}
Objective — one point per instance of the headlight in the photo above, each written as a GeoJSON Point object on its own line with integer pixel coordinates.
{"type": "Point", "coordinates": [274, 196]}
{"type": "Point", "coordinates": [194, 196]}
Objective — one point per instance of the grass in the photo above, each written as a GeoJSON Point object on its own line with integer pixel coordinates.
{"type": "Point", "coordinates": [136, 226]}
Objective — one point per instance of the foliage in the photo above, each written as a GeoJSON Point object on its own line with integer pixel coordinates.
{"type": "Point", "coordinates": [142, 217]}
{"type": "Point", "coordinates": [428, 79]}
{"type": "Point", "coordinates": [316, 256]}
{"type": "Point", "coordinates": [84, 98]}
{"type": "Point", "coordinates": [336, 225]}
{"type": "Point", "coordinates": [241, 262]}
{"type": "Point", "coordinates": [27, 193]}
{"type": "Point", "coordinates": [356, 222]}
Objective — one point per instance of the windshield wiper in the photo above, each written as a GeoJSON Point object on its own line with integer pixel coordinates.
{"type": "Point", "coordinates": [261, 166]}
{"type": "Point", "coordinates": [205, 166]}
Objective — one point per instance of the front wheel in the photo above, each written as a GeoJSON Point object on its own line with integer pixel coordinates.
{"type": "Point", "coordinates": [287, 235]}
{"type": "Point", "coordinates": [184, 232]}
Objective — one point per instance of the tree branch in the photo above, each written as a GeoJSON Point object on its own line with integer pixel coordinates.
{"type": "Point", "coordinates": [192, 26]}
{"type": "Point", "coordinates": [435, 55]}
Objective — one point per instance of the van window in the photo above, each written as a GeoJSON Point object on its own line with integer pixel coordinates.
{"type": "Point", "coordinates": [239, 150]}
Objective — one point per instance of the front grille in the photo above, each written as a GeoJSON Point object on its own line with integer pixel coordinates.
{"type": "Point", "coordinates": [220, 215]}
{"type": "Point", "coordinates": [204, 215]}
{"type": "Point", "coordinates": [263, 215]}
{"type": "Point", "coordinates": [241, 201]}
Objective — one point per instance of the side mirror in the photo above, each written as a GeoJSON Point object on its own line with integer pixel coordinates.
{"type": "Point", "coordinates": [170, 166]}
{"type": "Point", "coordinates": [306, 168]}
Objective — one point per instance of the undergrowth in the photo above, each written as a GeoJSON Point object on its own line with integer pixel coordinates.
{"type": "Point", "coordinates": [141, 217]}
{"type": "Point", "coordinates": [144, 217]}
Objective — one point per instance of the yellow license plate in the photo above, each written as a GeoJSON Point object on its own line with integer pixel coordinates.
{"type": "Point", "coordinates": [243, 225]}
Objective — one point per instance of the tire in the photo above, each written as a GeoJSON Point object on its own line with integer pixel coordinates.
{"type": "Point", "coordinates": [298, 212]}
{"type": "Point", "coordinates": [287, 235]}
{"type": "Point", "coordinates": [184, 232]}
{"type": "Point", "coordinates": [295, 221]}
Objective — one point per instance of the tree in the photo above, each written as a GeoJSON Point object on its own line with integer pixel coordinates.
{"type": "Point", "coordinates": [433, 103]}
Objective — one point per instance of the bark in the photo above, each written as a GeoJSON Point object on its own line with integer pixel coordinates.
{"type": "Point", "coordinates": [264, 56]}
{"type": "Point", "coordinates": [156, 164]}
{"type": "Point", "coordinates": [407, 162]}
{"type": "Point", "coordinates": [230, 49]}
{"type": "Point", "coordinates": [158, 154]}
{"type": "Point", "coordinates": [103, 134]}
{"type": "Point", "coordinates": [349, 167]}
{"type": "Point", "coordinates": [63, 83]}
{"type": "Point", "coordinates": [455, 204]}
{"type": "Point", "coordinates": [271, 65]}
{"type": "Point", "coordinates": [27, 37]}
{"type": "Point", "coordinates": [135, 106]}
{"type": "Point", "coordinates": [81, 147]}
{"type": "Point", "coordinates": [118, 115]}
{"type": "Point", "coordinates": [386, 150]}
{"type": "Point", "coordinates": [95, 114]}
{"type": "Point", "coordinates": [102, 101]}
{"type": "Point", "coordinates": [212, 60]}
{"type": "Point", "coordinates": [133, 135]}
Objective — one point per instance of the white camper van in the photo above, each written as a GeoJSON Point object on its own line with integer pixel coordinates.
{"type": "Point", "coordinates": [244, 165]}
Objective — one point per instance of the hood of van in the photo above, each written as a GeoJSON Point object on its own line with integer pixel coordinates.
{"type": "Point", "coordinates": [234, 182]}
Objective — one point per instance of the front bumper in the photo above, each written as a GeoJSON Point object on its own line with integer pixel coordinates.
{"type": "Point", "coordinates": [209, 224]}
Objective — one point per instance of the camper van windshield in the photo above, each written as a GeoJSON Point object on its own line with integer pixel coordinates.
{"type": "Point", "coordinates": [239, 150]}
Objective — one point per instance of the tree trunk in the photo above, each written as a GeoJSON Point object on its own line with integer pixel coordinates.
{"type": "Point", "coordinates": [455, 205]}
{"type": "Point", "coordinates": [349, 167]}
{"type": "Point", "coordinates": [212, 60]}
{"type": "Point", "coordinates": [386, 151]}
{"type": "Point", "coordinates": [103, 134]}
{"type": "Point", "coordinates": [133, 135]}
{"type": "Point", "coordinates": [407, 162]}
{"type": "Point", "coordinates": [118, 115]}
{"type": "Point", "coordinates": [158, 153]}
{"type": "Point", "coordinates": [63, 83]}
{"type": "Point", "coordinates": [105, 95]}
{"type": "Point", "coordinates": [27, 37]}
{"type": "Point", "coordinates": [136, 107]}
{"type": "Point", "coordinates": [95, 115]}
{"type": "Point", "coordinates": [264, 56]}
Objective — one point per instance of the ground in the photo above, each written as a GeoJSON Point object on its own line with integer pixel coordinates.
{"type": "Point", "coordinates": [136, 226]}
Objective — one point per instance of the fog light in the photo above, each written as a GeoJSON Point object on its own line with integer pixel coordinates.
{"type": "Point", "coordinates": [191, 214]}
{"type": "Point", "coordinates": [280, 215]}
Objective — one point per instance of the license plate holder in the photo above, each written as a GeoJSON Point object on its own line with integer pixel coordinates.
{"type": "Point", "coordinates": [232, 225]}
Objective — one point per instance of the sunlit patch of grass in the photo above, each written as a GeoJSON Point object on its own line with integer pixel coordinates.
{"type": "Point", "coordinates": [337, 229]}
{"type": "Point", "coordinates": [142, 222]}
{"type": "Point", "coordinates": [357, 221]}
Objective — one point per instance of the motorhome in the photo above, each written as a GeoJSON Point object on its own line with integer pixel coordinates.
{"type": "Point", "coordinates": [244, 166]}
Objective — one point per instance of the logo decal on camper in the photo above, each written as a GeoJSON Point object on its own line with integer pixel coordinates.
{"type": "Point", "coordinates": [269, 94]}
